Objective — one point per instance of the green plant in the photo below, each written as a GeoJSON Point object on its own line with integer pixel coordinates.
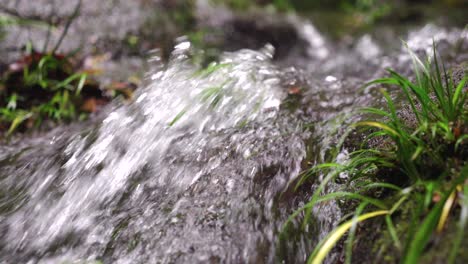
{"type": "Point", "coordinates": [428, 154]}
{"type": "Point", "coordinates": [42, 84]}
{"type": "Point", "coordinates": [281, 5]}
{"type": "Point", "coordinates": [211, 95]}
{"type": "Point", "coordinates": [46, 87]}
{"type": "Point", "coordinates": [440, 112]}
{"type": "Point", "coordinates": [370, 10]}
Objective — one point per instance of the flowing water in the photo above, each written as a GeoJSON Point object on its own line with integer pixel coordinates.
{"type": "Point", "coordinates": [197, 169]}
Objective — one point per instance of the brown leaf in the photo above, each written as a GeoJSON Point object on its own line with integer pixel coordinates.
{"type": "Point", "coordinates": [125, 88]}
{"type": "Point", "coordinates": [89, 105]}
{"type": "Point", "coordinates": [93, 104]}
{"type": "Point", "coordinates": [294, 90]}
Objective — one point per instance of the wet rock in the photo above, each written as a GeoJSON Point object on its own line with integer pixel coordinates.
{"type": "Point", "coordinates": [115, 27]}
{"type": "Point", "coordinates": [459, 73]}
{"type": "Point", "coordinates": [254, 32]}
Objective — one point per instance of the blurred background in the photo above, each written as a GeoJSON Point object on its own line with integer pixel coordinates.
{"type": "Point", "coordinates": [123, 29]}
{"type": "Point", "coordinates": [111, 40]}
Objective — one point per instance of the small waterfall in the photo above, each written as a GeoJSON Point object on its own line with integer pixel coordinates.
{"type": "Point", "coordinates": [197, 147]}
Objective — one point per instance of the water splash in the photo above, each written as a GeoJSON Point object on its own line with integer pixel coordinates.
{"type": "Point", "coordinates": [186, 124]}
{"type": "Point", "coordinates": [192, 170]}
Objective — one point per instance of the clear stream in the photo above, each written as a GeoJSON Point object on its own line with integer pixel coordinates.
{"type": "Point", "coordinates": [197, 168]}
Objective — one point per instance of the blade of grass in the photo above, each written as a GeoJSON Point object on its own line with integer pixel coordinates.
{"type": "Point", "coordinates": [177, 117]}
{"type": "Point", "coordinates": [313, 200]}
{"type": "Point", "coordinates": [352, 233]}
{"type": "Point", "coordinates": [380, 125]}
{"type": "Point", "coordinates": [81, 83]}
{"type": "Point", "coordinates": [381, 185]}
{"type": "Point", "coordinates": [66, 83]}
{"type": "Point", "coordinates": [458, 91]}
{"type": "Point", "coordinates": [350, 195]}
{"type": "Point", "coordinates": [21, 116]}
{"type": "Point", "coordinates": [375, 111]}
{"type": "Point", "coordinates": [461, 225]}
{"type": "Point", "coordinates": [336, 235]}
{"type": "Point", "coordinates": [445, 211]}
{"type": "Point", "coordinates": [316, 169]}
{"type": "Point", "coordinates": [424, 232]}
{"type": "Point", "coordinates": [309, 206]}
{"type": "Point", "coordinates": [392, 231]}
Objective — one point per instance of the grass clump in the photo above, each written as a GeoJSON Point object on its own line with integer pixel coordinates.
{"type": "Point", "coordinates": [37, 87]}
{"type": "Point", "coordinates": [419, 164]}
{"type": "Point", "coordinates": [44, 84]}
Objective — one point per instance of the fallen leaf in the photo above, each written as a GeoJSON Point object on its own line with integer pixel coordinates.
{"type": "Point", "coordinates": [92, 105]}
{"type": "Point", "coordinates": [294, 90]}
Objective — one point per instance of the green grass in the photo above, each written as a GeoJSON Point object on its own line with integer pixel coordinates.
{"type": "Point", "coordinates": [374, 7]}
{"type": "Point", "coordinates": [41, 85]}
{"type": "Point", "coordinates": [211, 95]}
{"type": "Point", "coordinates": [242, 5]}
{"type": "Point", "coordinates": [425, 158]}
{"type": "Point", "coordinates": [45, 87]}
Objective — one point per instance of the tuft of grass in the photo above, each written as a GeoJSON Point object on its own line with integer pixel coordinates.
{"type": "Point", "coordinates": [43, 86]}
{"type": "Point", "coordinates": [427, 155]}
{"type": "Point", "coordinates": [439, 107]}
{"type": "Point", "coordinates": [212, 96]}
